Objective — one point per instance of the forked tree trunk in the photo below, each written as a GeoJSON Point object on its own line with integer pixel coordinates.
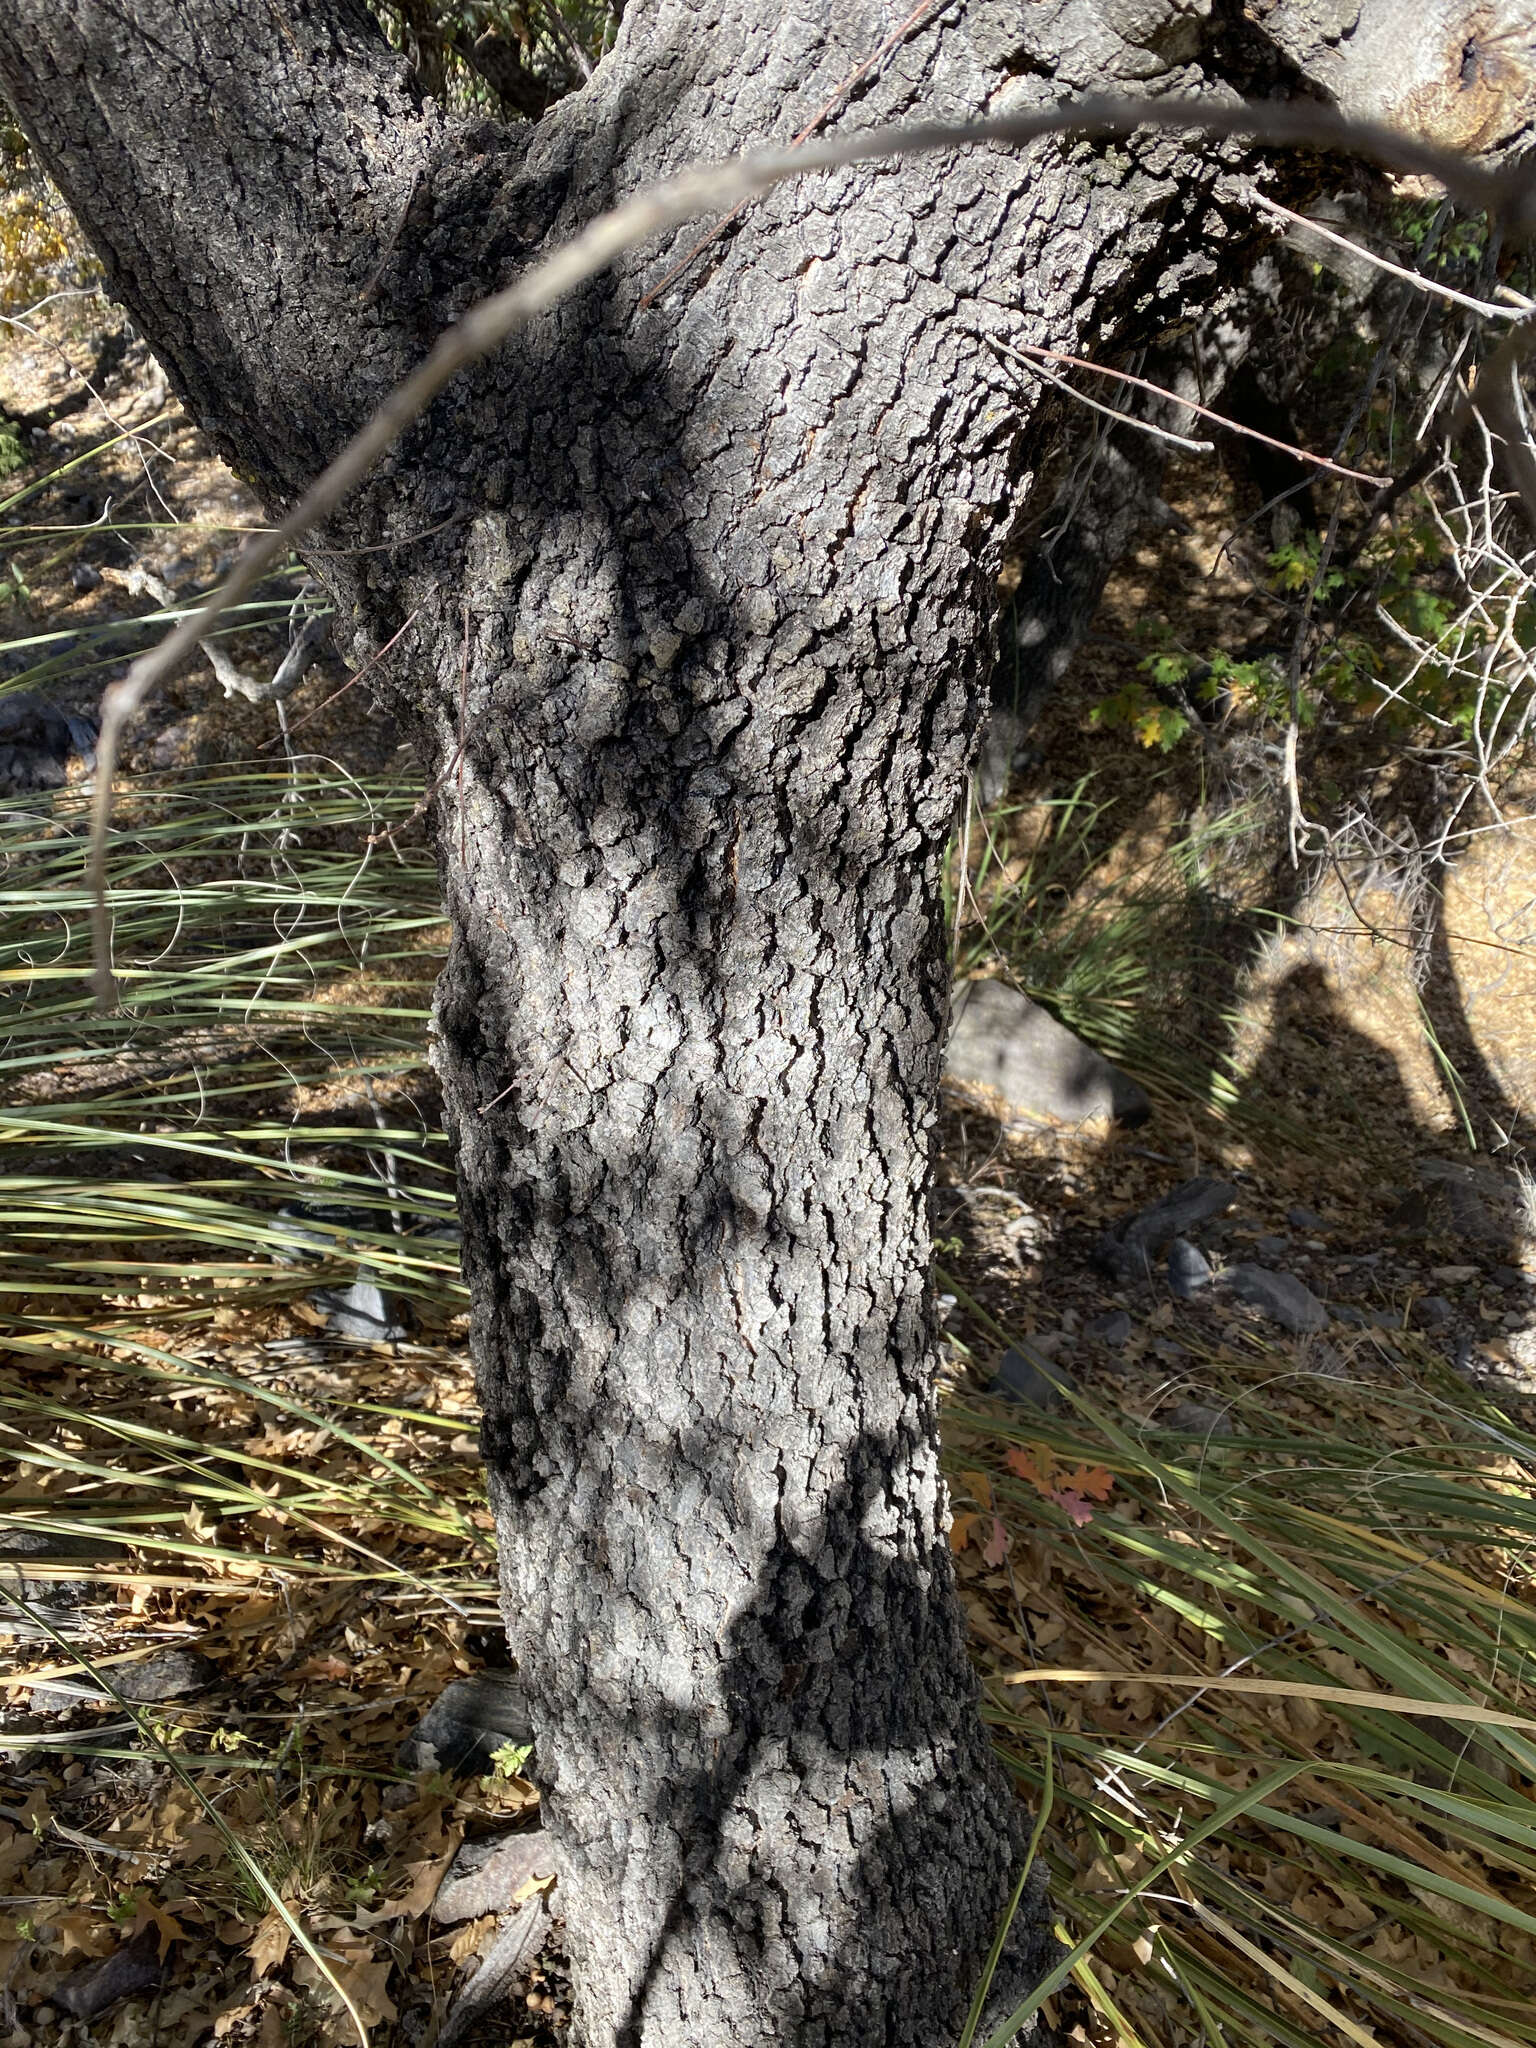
{"type": "Point", "coordinates": [702, 584]}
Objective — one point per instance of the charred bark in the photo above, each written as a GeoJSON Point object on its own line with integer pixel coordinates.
{"type": "Point", "coordinates": [702, 592]}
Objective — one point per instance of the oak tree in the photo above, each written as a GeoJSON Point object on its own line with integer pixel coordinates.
{"type": "Point", "coordinates": [700, 571]}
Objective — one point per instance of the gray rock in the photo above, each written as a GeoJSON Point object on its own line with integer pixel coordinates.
{"type": "Point", "coordinates": [1431, 1310]}
{"type": "Point", "coordinates": [1281, 1296]}
{"type": "Point", "coordinates": [1196, 1418]}
{"type": "Point", "coordinates": [362, 1313]}
{"type": "Point", "coordinates": [999, 1039]}
{"type": "Point", "coordinates": [1300, 1217]}
{"type": "Point", "coordinates": [484, 1876]}
{"type": "Point", "coordinates": [1188, 1268]}
{"type": "Point", "coordinates": [128, 1972]}
{"type": "Point", "coordinates": [1176, 1214]}
{"type": "Point", "coordinates": [168, 1675]}
{"type": "Point", "coordinates": [1346, 1312]}
{"type": "Point", "coordinates": [1112, 1328]}
{"type": "Point", "coordinates": [84, 576]}
{"type": "Point", "coordinates": [1511, 1279]}
{"type": "Point", "coordinates": [518, 1939]}
{"type": "Point", "coordinates": [467, 1722]}
{"type": "Point", "coordinates": [1272, 1247]}
{"type": "Point", "coordinates": [1030, 1376]}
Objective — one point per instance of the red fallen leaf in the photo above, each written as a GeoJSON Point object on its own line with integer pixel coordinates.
{"type": "Point", "coordinates": [323, 1667]}
{"type": "Point", "coordinates": [1039, 1469]}
{"type": "Point", "coordinates": [1074, 1507]}
{"type": "Point", "coordinates": [960, 1532]}
{"type": "Point", "coordinates": [997, 1543]}
{"type": "Point", "coordinates": [1093, 1480]}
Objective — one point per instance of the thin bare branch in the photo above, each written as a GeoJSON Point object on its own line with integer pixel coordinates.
{"type": "Point", "coordinates": [1055, 355]}
{"type": "Point", "coordinates": [1121, 419]}
{"type": "Point", "coordinates": [1416, 278]}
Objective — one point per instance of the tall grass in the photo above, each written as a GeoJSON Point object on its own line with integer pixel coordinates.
{"type": "Point", "coordinates": [1282, 1692]}
{"type": "Point", "coordinates": [1138, 948]}
{"type": "Point", "coordinates": [176, 1179]}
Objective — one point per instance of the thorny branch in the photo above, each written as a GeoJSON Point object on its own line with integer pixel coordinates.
{"type": "Point", "coordinates": [1507, 193]}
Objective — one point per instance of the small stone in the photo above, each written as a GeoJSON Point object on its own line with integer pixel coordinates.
{"type": "Point", "coordinates": [1030, 1376]}
{"type": "Point", "coordinates": [1300, 1217]}
{"type": "Point", "coordinates": [1176, 1214]}
{"type": "Point", "coordinates": [484, 1876]}
{"type": "Point", "coordinates": [467, 1722]}
{"type": "Point", "coordinates": [1196, 1418]}
{"type": "Point", "coordinates": [1113, 1328]}
{"type": "Point", "coordinates": [360, 1314]}
{"type": "Point", "coordinates": [168, 1675]}
{"type": "Point", "coordinates": [1272, 1247]}
{"type": "Point", "coordinates": [1346, 1312]}
{"type": "Point", "coordinates": [1431, 1310]}
{"type": "Point", "coordinates": [1281, 1296]}
{"type": "Point", "coordinates": [1511, 1278]}
{"type": "Point", "coordinates": [1001, 1040]}
{"type": "Point", "coordinates": [1454, 1276]}
{"type": "Point", "coordinates": [84, 577]}
{"type": "Point", "coordinates": [1188, 1268]}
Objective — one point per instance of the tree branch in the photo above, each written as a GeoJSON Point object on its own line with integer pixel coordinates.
{"type": "Point", "coordinates": [1509, 194]}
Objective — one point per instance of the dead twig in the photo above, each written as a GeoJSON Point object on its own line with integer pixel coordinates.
{"type": "Point", "coordinates": [1055, 355]}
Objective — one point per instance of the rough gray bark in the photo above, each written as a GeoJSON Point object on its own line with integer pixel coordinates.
{"type": "Point", "coordinates": [705, 589]}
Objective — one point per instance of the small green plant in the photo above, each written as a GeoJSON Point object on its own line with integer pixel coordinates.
{"type": "Point", "coordinates": [362, 1888]}
{"type": "Point", "coordinates": [228, 1741]}
{"type": "Point", "coordinates": [510, 1759]}
{"type": "Point", "coordinates": [1161, 712]}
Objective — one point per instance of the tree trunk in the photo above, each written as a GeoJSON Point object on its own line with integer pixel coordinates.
{"type": "Point", "coordinates": [702, 597]}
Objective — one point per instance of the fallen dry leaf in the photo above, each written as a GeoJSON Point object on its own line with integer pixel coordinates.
{"type": "Point", "coordinates": [270, 1943]}
{"type": "Point", "coordinates": [166, 1926]}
